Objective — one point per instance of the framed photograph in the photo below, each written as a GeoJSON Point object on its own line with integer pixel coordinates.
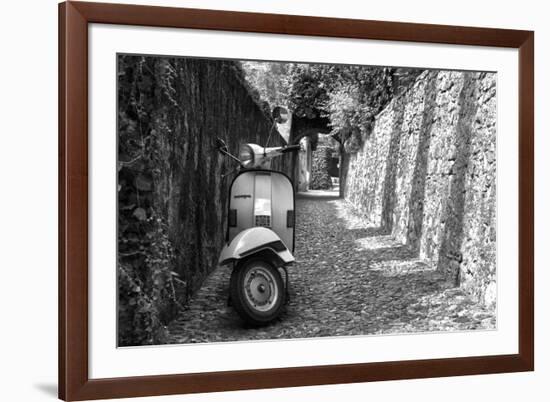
{"type": "Point", "coordinates": [258, 200]}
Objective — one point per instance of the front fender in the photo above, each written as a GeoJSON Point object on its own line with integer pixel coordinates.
{"type": "Point", "coordinates": [253, 241]}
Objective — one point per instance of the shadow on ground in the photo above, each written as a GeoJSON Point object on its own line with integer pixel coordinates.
{"type": "Point", "coordinates": [347, 280]}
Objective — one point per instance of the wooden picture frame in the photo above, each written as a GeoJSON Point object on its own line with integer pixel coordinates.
{"type": "Point", "coordinates": [74, 381]}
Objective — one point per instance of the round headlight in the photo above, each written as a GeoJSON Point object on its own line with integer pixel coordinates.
{"type": "Point", "coordinates": [246, 155]}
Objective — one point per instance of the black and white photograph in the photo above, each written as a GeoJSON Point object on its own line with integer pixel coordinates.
{"type": "Point", "coordinates": [275, 200]}
{"type": "Point", "coordinates": [262, 200]}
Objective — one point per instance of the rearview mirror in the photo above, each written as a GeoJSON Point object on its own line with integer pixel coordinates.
{"type": "Point", "coordinates": [280, 115]}
{"type": "Point", "coordinates": [221, 145]}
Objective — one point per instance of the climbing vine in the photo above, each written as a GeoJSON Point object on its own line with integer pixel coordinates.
{"type": "Point", "coordinates": [148, 289]}
{"type": "Point", "coordinates": [320, 176]}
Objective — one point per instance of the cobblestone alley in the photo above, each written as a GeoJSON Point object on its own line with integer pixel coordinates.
{"type": "Point", "coordinates": [347, 280]}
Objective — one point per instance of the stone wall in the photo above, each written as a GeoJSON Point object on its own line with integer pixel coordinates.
{"type": "Point", "coordinates": [426, 174]}
{"type": "Point", "coordinates": [365, 181]}
{"type": "Point", "coordinates": [478, 246]}
{"type": "Point", "coordinates": [186, 104]}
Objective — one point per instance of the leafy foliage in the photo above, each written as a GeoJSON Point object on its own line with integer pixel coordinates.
{"type": "Point", "coordinates": [320, 177]}
{"type": "Point", "coordinates": [308, 94]}
{"type": "Point", "coordinates": [350, 96]}
{"type": "Point", "coordinates": [269, 81]}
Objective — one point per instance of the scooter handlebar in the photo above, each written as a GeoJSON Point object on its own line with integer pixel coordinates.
{"type": "Point", "coordinates": [291, 148]}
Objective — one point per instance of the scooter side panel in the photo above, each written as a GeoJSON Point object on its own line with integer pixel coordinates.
{"type": "Point", "coordinates": [242, 200]}
{"type": "Point", "coordinates": [282, 201]}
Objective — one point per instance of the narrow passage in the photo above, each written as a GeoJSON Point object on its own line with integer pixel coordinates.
{"type": "Point", "coordinates": [347, 280]}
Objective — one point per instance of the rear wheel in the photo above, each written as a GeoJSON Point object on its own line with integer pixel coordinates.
{"type": "Point", "coordinates": [257, 291]}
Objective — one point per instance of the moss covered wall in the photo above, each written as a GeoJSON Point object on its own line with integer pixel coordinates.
{"type": "Point", "coordinates": [171, 190]}
{"type": "Point", "coordinates": [320, 164]}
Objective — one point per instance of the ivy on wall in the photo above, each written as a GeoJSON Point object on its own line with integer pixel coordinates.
{"type": "Point", "coordinates": [171, 187]}
{"type": "Point", "coordinates": [320, 165]}
{"type": "Point", "coordinates": [149, 289]}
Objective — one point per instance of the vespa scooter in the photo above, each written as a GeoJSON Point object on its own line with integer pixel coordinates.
{"type": "Point", "coordinates": [260, 231]}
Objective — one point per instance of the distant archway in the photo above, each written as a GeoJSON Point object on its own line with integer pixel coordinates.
{"type": "Point", "coordinates": [303, 127]}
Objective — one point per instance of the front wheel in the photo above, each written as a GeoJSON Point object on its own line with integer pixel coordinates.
{"type": "Point", "coordinates": [257, 291]}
